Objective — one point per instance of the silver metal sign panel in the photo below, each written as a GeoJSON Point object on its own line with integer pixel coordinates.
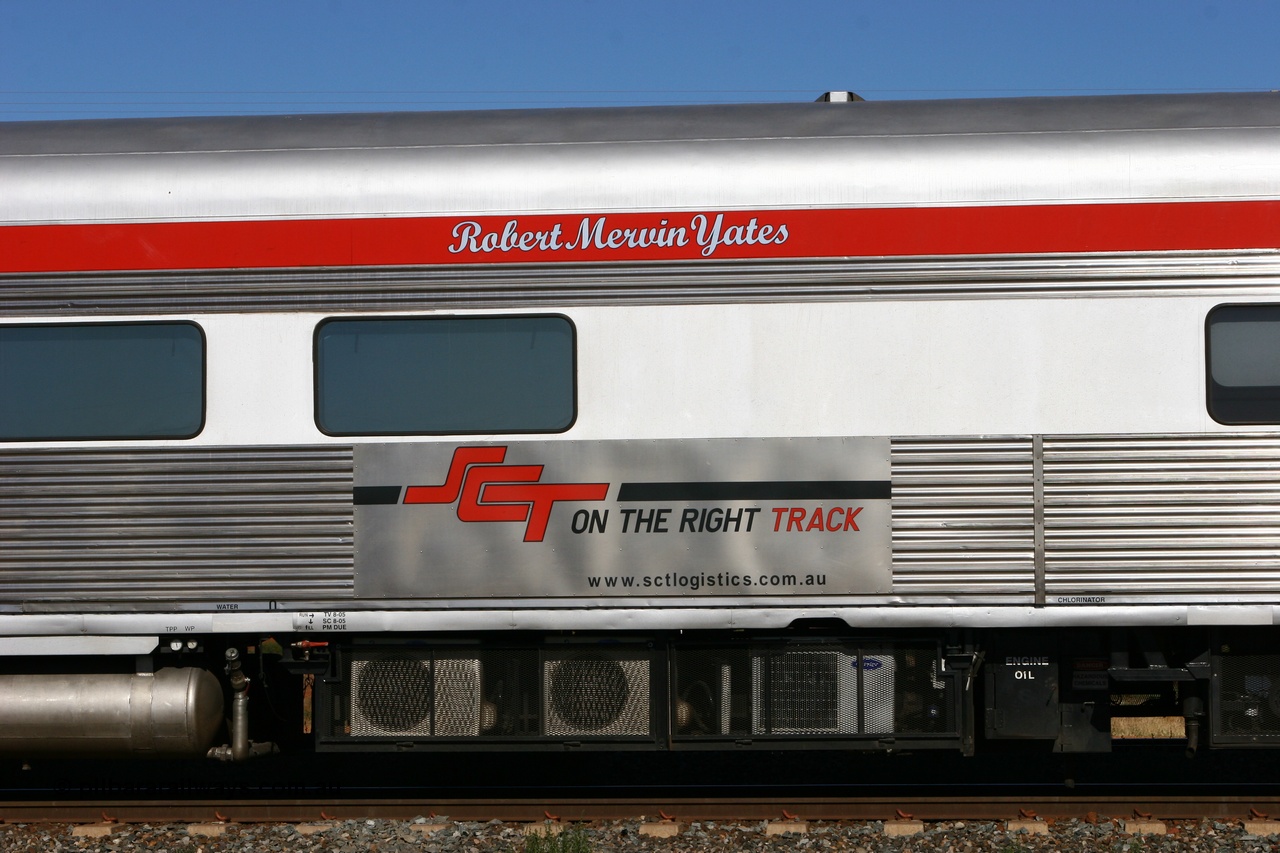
{"type": "Point", "coordinates": [710, 517]}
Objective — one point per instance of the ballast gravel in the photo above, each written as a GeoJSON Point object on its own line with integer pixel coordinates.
{"type": "Point", "coordinates": [387, 836]}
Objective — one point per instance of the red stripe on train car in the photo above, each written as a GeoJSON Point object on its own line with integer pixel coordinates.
{"type": "Point", "coordinates": [809, 233]}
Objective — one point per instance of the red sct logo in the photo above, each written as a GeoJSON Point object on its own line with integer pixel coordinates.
{"type": "Point", "coordinates": [486, 490]}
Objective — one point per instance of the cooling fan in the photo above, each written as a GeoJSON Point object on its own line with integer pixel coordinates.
{"type": "Point", "coordinates": [391, 695]}
{"type": "Point", "coordinates": [407, 694]}
{"type": "Point", "coordinates": [590, 694]}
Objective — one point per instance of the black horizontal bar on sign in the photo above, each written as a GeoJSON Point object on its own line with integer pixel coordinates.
{"type": "Point", "coordinates": [366, 495]}
{"type": "Point", "coordinates": [776, 490]}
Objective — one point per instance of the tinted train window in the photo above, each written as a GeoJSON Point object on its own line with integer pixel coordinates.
{"type": "Point", "coordinates": [1244, 364]}
{"type": "Point", "coordinates": [101, 381]}
{"type": "Point", "coordinates": [452, 375]}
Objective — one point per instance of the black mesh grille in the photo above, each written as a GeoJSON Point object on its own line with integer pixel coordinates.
{"type": "Point", "coordinates": [712, 696]}
{"type": "Point", "coordinates": [1248, 701]}
{"type": "Point", "coordinates": [924, 702]}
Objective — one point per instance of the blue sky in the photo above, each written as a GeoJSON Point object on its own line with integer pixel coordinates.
{"type": "Point", "coordinates": [92, 58]}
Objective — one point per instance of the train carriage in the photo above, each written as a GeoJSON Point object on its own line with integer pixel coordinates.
{"type": "Point", "coordinates": [879, 425]}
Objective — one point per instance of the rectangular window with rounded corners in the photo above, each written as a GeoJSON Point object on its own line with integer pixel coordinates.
{"type": "Point", "coordinates": [445, 375]}
{"type": "Point", "coordinates": [1244, 364]}
{"type": "Point", "coordinates": [101, 381]}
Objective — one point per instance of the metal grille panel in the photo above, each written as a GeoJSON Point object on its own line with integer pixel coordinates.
{"type": "Point", "coordinates": [518, 695]}
{"type": "Point", "coordinates": [820, 689]}
{"type": "Point", "coordinates": [589, 694]}
{"type": "Point", "coordinates": [176, 524]}
{"type": "Point", "coordinates": [534, 695]}
{"type": "Point", "coordinates": [458, 708]}
{"type": "Point", "coordinates": [963, 518]}
{"type": "Point", "coordinates": [1162, 514]}
{"type": "Point", "coordinates": [713, 693]}
{"type": "Point", "coordinates": [412, 694]}
{"type": "Point", "coordinates": [1247, 706]}
{"type": "Point", "coordinates": [805, 691]}
{"type": "Point", "coordinates": [391, 695]}
{"type": "Point", "coordinates": [924, 701]}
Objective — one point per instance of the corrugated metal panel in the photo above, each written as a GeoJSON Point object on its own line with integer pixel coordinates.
{"type": "Point", "coordinates": [517, 286]}
{"type": "Point", "coordinates": [176, 524]}
{"type": "Point", "coordinates": [1162, 514]}
{"type": "Point", "coordinates": [962, 516]}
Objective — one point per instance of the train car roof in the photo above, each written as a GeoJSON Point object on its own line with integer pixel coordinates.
{"type": "Point", "coordinates": [864, 119]}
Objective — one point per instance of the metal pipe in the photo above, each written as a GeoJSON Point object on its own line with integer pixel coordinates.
{"type": "Point", "coordinates": [240, 748]}
{"type": "Point", "coordinates": [240, 726]}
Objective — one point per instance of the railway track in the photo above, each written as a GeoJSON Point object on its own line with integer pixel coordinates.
{"type": "Point", "coordinates": [489, 802]}
{"type": "Point", "coordinates": [933, 824]}
{"type": "Point", "coordinates": [1193, 807]}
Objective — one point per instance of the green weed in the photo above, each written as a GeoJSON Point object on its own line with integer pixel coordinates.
{"type": "Point", "coordinates": [571, 840]}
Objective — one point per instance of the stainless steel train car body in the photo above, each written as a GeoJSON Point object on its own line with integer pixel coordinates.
{"type": "Point", "coordinates": [961, 360]}
{"type": "Point", "coordinates": [1001, 305]}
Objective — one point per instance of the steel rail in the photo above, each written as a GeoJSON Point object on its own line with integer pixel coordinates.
{"type": "Point", "coordinates": [683, 809]}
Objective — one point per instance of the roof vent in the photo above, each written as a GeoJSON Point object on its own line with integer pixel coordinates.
{"type": "Point", "coordinates": [839, 98]}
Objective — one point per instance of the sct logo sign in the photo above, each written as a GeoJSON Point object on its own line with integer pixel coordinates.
{"type": "Point", "coordinates": [486, 490]}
